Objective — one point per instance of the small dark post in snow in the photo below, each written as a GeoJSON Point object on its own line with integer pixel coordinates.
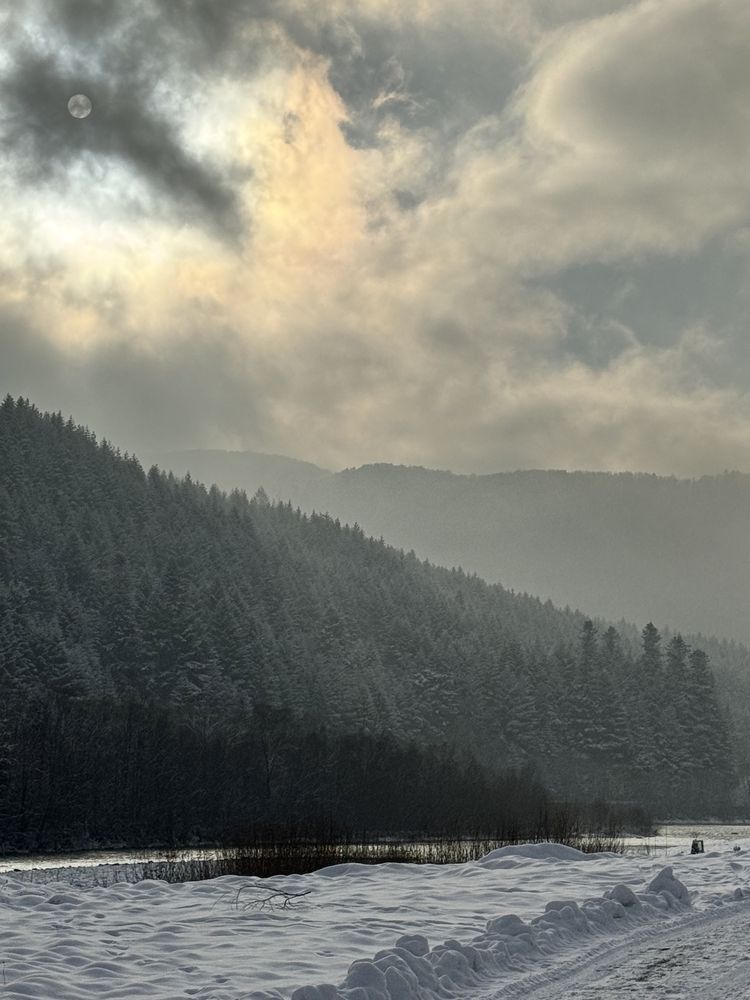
{"type": "Point", "coordinates": [696, 847]}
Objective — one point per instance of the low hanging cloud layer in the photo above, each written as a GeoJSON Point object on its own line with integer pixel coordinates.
{"type": "Point", "coordinates": [478, 236]}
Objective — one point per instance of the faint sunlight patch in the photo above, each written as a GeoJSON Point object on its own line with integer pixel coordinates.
{"type": "Point", "coordinates": [80, 106]}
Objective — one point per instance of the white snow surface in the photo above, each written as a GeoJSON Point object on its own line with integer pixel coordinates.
{"type": "Point", "coordinates": [520, 922]}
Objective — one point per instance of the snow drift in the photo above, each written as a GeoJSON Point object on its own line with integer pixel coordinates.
{"type": "Point", "coordinates": [370, 932]}
{"type": "Point", "coordinates": [411, 970]}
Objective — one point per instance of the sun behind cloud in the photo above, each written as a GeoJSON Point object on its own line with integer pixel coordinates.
{"type": "Point", "coordinates": [384, 233]}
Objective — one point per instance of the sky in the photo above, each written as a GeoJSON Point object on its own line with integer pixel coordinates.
{"type": "Point", "coordinates": [471, 234]}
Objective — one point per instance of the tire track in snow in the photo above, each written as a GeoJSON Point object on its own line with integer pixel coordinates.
{"type": "Point", "coordinates": [705, 957]}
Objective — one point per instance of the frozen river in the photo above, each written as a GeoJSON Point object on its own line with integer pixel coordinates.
{"type": "Point", "coordinates": [670, 840]}
{"type": "Point", "coordinates": [676, 838]}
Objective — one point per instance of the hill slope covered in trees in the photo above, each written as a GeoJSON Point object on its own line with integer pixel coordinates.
{"type": "Point", "coordinates": [624, 545]}
{"type": "Point", "coordinates": [162, 647]}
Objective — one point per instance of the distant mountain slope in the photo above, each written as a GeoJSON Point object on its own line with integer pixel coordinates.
{"type": "Point", "coordinates": [279, 476]}
{"type": "Point", "coordinates": [619, 545]}
{"type": "Point", "coordinates": [625, 547]}
{"type": "Point", "coordinates": [636, 546]}
{"type": "Point", "coordinates": [117, 585]}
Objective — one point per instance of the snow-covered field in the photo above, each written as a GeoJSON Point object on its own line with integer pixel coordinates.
{"type": "Point", "coordinates": [536, 920]}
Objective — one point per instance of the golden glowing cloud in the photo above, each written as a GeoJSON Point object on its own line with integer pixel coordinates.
{"type": "Point", "coordinates": [402, 298]}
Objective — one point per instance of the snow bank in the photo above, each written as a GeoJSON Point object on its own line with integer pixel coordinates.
{"type": "Point", "coordinates": [411, 970]}
{"type": "Point", "coordinates": [541, 852]}
{"type": "Point", "coordinates": [516, 913]}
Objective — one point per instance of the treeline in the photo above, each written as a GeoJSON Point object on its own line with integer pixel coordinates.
{"type": "Point", "coordinates": [102, 772]}
{"type": "Point", "coordinates": [121, 590]}
{"type": "Point", "coordinates": [645, 728]}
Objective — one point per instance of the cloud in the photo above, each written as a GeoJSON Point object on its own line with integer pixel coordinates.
{"type": "Point", "coordinates": [632, 137]}
{"type": "Point", "coordinates": [46, 141]}
{"type": "Point", "coordinates": [140, 74]}
{"type": "Point", "coordinates": [403, 197]}
{"type": "Point", "coordinates": [140, 396]}
{"type": "Point", "coordinates": [645, 411]}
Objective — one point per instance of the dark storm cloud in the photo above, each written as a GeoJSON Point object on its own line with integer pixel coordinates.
{"type": "Point", "coordinates": [435, 76]}
{"type": "Point", "coordinates": [42, 139]}
{"type": "Point", "coordinates": [118, 54]}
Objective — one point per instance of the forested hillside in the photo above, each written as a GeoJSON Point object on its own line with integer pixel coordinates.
{"type": "Point", "coordinates": [162, 644]}
{"type": "Point", "coordinates": [623, 545]}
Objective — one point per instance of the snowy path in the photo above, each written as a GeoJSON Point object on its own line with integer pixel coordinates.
{"type": "Point", "coordinates": [705, 957]}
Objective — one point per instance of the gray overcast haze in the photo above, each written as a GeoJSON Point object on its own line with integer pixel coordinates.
{"type": "Point", "coordinates": [480, 235]}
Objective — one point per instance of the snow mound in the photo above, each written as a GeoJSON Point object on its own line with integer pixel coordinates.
{"type": "Point", "coordinates": [666, 884]}
{"type": "Point", "coordinates": [411, 970]}
{"type": "Point", "coordinates": [357, 869]}
{"type": "Point", "coordinates": [540, 852]}
{"type": "Point", "coordinates": [348, 869]}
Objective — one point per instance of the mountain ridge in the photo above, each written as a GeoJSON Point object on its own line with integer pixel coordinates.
{"type": "Point", "coordinates": [622, 545]}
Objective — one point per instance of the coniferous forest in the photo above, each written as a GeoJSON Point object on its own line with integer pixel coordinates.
{"type": "Point", "coordinates": [176, 662]}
